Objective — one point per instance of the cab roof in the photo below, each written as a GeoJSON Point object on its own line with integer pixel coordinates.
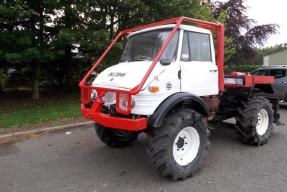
{"type": "Point", "coordinates": [170, 26]}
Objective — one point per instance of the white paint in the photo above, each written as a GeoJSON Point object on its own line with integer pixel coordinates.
{"type": "Point", "coordinates": [186, 146]}
{"type": "Point", "coordinates": [199, 78]}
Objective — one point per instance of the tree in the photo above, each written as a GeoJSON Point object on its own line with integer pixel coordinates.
{"type": "Point", "coordinates": [57, 40]}
{"type": "Point", "coordinates": [240, 28]}
{"type": "Point", "coordinates": [3, 79]}
{"type": "Point", "coordinates": [261, 52]}
{"type": "Point", "coordinates": [25, 36]}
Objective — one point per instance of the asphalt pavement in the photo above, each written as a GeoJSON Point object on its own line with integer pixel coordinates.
{"type": "Point", "coordinates": [77, 161]}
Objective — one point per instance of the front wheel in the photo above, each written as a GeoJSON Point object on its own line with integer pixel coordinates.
{"type": "Point", "coordinates": [177, 148]}
{"type": "Point", "coordinates": [115, 138]}
{"type": "Point", "coordinates": [254, 121]}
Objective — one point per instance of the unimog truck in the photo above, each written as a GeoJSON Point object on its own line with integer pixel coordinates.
{"type": "Point", "coordinates": [170, 84]}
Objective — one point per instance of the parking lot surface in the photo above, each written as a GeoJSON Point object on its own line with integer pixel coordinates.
{"type": "Point", "coordinates": [78, 161]}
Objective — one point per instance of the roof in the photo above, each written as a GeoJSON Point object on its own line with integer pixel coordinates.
{"type": "Point", "coordinates": [278, 53]}
{"type": "Point", "coordinates": [274, 67]}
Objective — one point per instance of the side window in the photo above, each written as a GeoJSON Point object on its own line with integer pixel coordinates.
{"type": "Point", "coordinates": [260, 72]}
{"type": "Point", "coordinates": [199, 45]}
{"type": "Point", "coordinates": [185, 56]}
{"type": "Point", "coordinates": [278, 73]}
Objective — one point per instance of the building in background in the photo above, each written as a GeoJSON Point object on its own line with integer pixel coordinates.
{"type": "Point", "coordinates": [279, 58]}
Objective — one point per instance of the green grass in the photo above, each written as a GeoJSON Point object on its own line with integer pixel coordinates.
{"type": "Point", "coordinates": [39, 112]}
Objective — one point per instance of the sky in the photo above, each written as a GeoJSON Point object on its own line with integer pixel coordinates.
{"type": "Point", "coordinates": [269, 11]}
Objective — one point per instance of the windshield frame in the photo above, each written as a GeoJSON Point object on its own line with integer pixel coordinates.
{"type": "Point", "coordinates": [167, 30]}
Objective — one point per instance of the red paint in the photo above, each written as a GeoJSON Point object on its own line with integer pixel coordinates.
{"type": "Point", "coordinates": [220, 56]}
{"type": "Point", "coordinates": [249, 80]}
{"type": "Point", "coordinates": [115, 122]}
{"type": "Point", "coordinates": [264, 79]}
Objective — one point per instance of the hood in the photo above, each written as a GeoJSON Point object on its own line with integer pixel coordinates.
{"type": "Point", "coordinates": [125, 75]}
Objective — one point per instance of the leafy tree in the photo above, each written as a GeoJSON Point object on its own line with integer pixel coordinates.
{"type": "Point", "coordinates": [25, 36]}
{"type": "Point", "coordinates": [273, 49]}
{"type": "Point", "coordinates": [240, 28]}
{"type": "Point", "coordinates": [261, 52]}
{"type": "Point", "coordinates": [3, 79]}
{"type": "Point", "coordinates": [57, 40]}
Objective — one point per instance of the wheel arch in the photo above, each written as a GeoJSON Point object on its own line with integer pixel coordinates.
{"type": "Point", "coordinates": [174, 101]}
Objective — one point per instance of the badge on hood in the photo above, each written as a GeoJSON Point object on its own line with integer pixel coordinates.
{"type": "Point", "coordinates": [116, 74]}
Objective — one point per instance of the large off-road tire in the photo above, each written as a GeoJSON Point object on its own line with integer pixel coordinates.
{"type": "Point", "coordinates": [178, 147]}
{"type": "Point", "coordinates": [254, 121]}
{"type": "Point", "coordinates": [115, 138]}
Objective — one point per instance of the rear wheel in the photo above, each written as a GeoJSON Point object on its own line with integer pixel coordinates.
{"type": "Point", "coordinates": [254, 121]}
{"type": "Point", "coordinates": [177, 148]}
{"type": "Point", "coordinates": [115, 138]}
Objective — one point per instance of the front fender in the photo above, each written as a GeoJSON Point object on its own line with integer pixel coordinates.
{"type": "Point", "coordinates": [178, 99]}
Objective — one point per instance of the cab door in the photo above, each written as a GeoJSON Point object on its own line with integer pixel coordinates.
{"type": "Point", "coordinates": [199, 73]}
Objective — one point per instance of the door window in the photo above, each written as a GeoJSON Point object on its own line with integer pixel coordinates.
{"type": "Point", "coordinates": [278, 73]}
{"type": "Point", "coordinates": [260, 73]}
{"type": "Point", "coordinates": [185, 56]}
{"type": "Point", "coordinates": [196, 47]}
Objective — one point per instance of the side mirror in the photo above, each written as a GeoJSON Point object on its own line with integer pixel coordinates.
{"type": "Point", "coordinates": [165, 61]}
{"type": "Point", "coordinates": [94, 74]}
{"type": "Point", "coordinates": [91, 78]}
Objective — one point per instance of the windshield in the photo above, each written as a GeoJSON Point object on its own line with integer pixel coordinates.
{"type": "Point", "coordinates": [145, 46]}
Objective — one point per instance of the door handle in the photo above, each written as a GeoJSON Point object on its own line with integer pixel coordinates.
{"type": "Point", "coordinates": [213, 71]}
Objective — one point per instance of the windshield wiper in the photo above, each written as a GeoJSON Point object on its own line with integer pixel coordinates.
{"type": "Point", "coordinates": [142, 58]}
{"type": "Point", "coordinates": [124, 60]}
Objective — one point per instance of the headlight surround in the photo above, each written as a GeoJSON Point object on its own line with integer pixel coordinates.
{"type": "Point", "coordinates": [233, 80]}
{"type": "Point", "coordinates": [123, 102]}
{"type": "Point", "coordinates": [94, 94]}
{"type": "Point", "coordinates": [109, 98]}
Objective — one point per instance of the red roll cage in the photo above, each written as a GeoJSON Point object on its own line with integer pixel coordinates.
{"type": "Point", "coordinates": [86, 89]}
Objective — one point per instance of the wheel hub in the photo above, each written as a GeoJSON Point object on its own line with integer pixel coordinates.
{"type": "Point", "coordinates": [180, 143]}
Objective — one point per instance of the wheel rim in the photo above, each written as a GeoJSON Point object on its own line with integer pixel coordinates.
{"type": "Point", "coordinates": [186, 146]}
{"type": "Point", "coordinates": [262, 122]}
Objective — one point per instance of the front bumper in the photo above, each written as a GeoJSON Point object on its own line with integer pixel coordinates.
{"type": "Point", "coordinates": [94, 114]}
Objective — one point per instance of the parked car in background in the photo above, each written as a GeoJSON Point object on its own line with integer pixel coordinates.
{"type": "Point", "coordinates": [280, 74]}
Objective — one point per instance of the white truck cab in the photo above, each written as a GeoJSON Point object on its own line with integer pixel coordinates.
{"type": "Point", "coordinates": [187, 65]}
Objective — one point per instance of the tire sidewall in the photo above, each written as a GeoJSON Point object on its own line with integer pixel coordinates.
{"type": "Point", "coordinates": [109, 137]}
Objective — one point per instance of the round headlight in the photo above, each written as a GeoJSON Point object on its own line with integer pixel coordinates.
{"type": "Point", "coordinates": [94, 94]}
{"type": "Point", "coordinates": [109, 98]}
